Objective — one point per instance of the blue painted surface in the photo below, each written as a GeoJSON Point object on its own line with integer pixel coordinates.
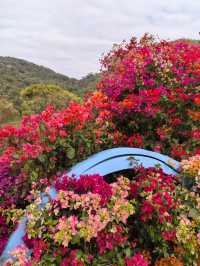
{"type": "Point", "coordinates": [103, 163]}
{"type": "Point", "coordinates": [99, 162]}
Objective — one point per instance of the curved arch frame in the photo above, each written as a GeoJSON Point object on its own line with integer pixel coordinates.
{"type": "Point", "coordinates": [97, 163]}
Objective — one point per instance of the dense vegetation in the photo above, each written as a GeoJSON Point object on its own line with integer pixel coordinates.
{"type": "Point", "coordinates": [17, 75]}
{"type": "Point", "coordinates": [154, 94]}
{"type": "Point", "coordinates": [148, 97]}
{"type": "Point", "coordinates": [34, 99]}
{"type": "Point", "coordinates": [8, 112]}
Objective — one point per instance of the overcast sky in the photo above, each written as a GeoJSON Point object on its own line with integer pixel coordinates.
{"type": "Point", "coordinates": [69, 36]}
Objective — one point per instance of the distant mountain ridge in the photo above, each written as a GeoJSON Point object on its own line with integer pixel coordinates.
{"type": "Point", "coordinates": [16, 74]}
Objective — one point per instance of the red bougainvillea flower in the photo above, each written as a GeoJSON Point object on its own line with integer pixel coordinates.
{"type": "Point", "coordinates": [150, 85]}
{"type": "Point", "coordinates": [136, 260]}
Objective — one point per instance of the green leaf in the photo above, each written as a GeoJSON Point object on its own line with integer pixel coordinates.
{"type": "Point", "coordinates": [79, 254]}
{"type": "Point", "coordinates": [128, 252]}
{"type": "Point", "coordinates": [34, 176]}
{"type": "Point", "coordinates": [70, 152]}
{"type": "Point", "coordinates": [75, 240]}
{"type": "Point", "coordinates": [15, 156]}
{"type": "Point", "coordinates": [193, 213]}
{"type": "Point", "coordinates": [42, 158]}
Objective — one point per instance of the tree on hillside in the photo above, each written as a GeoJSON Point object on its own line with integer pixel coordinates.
{"type": "Point", "coordinates": [8, 113]}
{"type": "Point", "coordinates": [36, 97]}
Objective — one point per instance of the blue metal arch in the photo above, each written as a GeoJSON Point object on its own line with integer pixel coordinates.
{"type": "Point", "coordinates": [103, 163]}
{"type": "Point", "coordinates": [116, 159]}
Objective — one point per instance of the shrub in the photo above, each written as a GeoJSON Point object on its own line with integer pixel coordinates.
{"type": "Point", "coordinates": [154, 91]}
{"type": "Point", "coordinates": [8, 113]}
{"type": "Point", "coordinates": [50, 142]}
{"type": "Point", "coordinates": [148, 97]}
{"type": "Point", "coordinates": [35, 98]}
{"type": "Point", "coordinates": [143, 220]}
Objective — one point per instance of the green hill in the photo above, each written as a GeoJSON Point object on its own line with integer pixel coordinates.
{"type": "Point", "coordinates": [16, 74]}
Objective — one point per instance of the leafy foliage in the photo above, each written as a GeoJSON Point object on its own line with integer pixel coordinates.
{"type": "Point", "coordinates": [148, 97]}
{"type": "Point", "coordinates": [144, 220]}
{"type": "Point", "coordinates": [17, 74]}
{"type": "Point", "coordinates": [37, 97]}
{"type": "Point", "coordinates": [7, 111]}
{"type": "Point", "coordinates": [154, 93]}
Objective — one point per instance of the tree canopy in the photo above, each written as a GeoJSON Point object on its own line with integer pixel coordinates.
{"type": "Point", "coordinates": [35, 98]}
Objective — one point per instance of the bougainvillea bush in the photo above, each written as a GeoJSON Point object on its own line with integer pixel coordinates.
{"type": "Point", "coordinates": [154, 91]}
{"type": "Point", "coordinates": [148, 97]}
{"type": "Point", "coordinates": [146, 219]}
{"type": "Point", "coordinates": [43, 145]}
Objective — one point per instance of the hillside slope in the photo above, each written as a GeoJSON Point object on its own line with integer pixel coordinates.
{"type": "Point", "coordinates": [16, 74]}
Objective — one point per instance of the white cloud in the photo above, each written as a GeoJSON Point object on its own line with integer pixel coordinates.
{"type": "Point", "coordinates": [70, 36]}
